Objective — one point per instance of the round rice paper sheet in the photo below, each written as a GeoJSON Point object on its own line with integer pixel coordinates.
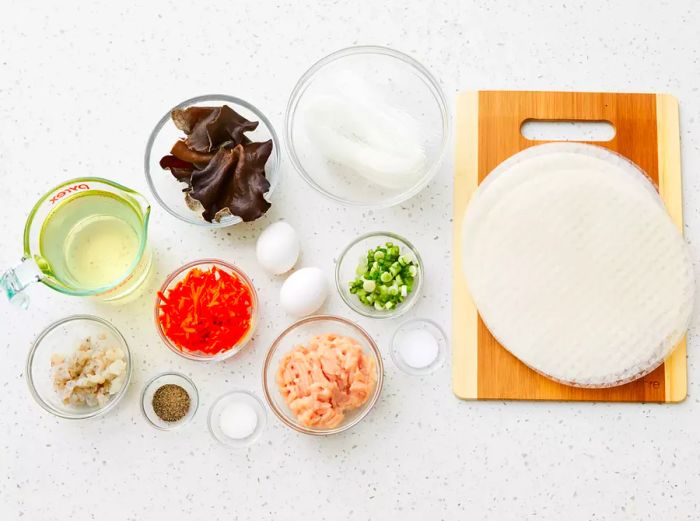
{"type": "Point", "coordinates": [575, 265]}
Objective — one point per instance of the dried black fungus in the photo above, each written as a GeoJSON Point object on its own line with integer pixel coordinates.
{"type": "Point", "coordinates": [181, 170]}
{"type": "Point", "coordinates": [198, 159]}
{"type": "Point", "coordinates": [223, 169]}
{"type": "Point", "coordinates": [208, 128]}
{"type": "Point", "coordinates": [234, 180]}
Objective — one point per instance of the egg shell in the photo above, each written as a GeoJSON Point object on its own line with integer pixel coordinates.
{"type": "Point", "coordinates": [277, 248]}
{"type": "Point", "coordinates": [304, 292]}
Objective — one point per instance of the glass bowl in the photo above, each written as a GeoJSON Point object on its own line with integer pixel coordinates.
{"type": "Point", "coordinates": [204, 265]}
{"type": "Point", "coordinates": [299, 333]}
{"type": "Point", "coordinates": [63, 337]}
{"type": "Point", "coordinates": [234, 397]}
{"type": "Point", "coordinates": [156, 383]}
{"type": "Point", "coordinates": [168, 191]}
{"type": "Point", "coordinates": [355, 253]}
{"type": "Point", "coordinates": [402, 84]}
{"type": "Point", "coordinates": [419, 324]}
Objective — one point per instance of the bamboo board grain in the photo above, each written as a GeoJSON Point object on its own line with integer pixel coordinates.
{"type": "Point", "coordinates": [488, 132]}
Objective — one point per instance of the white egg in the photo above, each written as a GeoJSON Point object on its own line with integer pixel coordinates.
{"type": "Point", "coordinates": [277, 248]}
{"type": "Point", "coordinates": [304, 292]}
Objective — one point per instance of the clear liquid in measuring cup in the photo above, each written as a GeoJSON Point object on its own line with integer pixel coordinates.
{"type": "Point", "coordinates": [92, 240]}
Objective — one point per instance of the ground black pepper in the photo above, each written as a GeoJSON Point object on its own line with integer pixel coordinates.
{"type": "Point", "coordinates": [171, 402]}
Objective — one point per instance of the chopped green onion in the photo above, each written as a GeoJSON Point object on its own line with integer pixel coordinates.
{"type": "Point", "coordinates": [369, 285]}
{"type": "Point", "coordinates": [385, 277]}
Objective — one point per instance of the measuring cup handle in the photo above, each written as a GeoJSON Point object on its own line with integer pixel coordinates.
{"type": "Point", "coordinates": [15, 280]}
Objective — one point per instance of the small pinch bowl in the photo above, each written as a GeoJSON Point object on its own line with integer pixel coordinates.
{"type": "Point", "coordinates": [156, 383]}
{"type": "Point", "coordinates": [179, 274]}
{"type": "Point", "coordinates": [354, 253]}
{"type": "Point", "coordinates": [215, 411]}
{"type": "Point", "coordinates": [434, 329]}
{"type": "Point", "coordinates": [63, 337]}
{"type": "Point", "coordinates": [299, 333]}
{"type": "Point", "coordinates": [168, 191]}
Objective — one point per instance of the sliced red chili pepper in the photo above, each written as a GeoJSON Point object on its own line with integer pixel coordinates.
{"type": "Point", "coordinates": [207, 311]}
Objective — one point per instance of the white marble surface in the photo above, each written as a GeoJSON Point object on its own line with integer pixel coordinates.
{"type": "Point", "coordinates": [81, 85]}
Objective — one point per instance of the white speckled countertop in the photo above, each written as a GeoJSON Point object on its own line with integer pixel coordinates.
{"type": "Point", "coordinates": [81, 88]}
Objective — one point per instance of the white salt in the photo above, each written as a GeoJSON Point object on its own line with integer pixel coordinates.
{"type": "Point", "coordinates": [418, 348]}
{"type": "Point", "coordinates": [238, 420]}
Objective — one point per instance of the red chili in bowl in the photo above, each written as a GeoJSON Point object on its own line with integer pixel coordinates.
{"type": "Point", "coordinates": [207, 311]}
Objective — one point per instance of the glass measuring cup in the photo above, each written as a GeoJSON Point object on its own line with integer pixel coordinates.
{"type": "Point", "coordinates": [84, 237]}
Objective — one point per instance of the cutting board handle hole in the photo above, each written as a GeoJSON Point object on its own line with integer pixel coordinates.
{"type": "Point", "coordinates": [567, 130]}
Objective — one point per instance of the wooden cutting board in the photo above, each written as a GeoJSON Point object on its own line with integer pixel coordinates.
{"type": "Point", "coordinates": [488, 131]}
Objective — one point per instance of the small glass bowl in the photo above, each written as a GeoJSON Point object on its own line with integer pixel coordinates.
{"type": "Point", "coordinates": [156, 383]}
{"type": "Point", "coordinates": [299, 333]}
{"type": "Point", "coordinates": [431, 328]}
{"type": "Point", "coordinates": [168, 191]}
{"type": "Point", "coordinates": [64, 337]}
{"type": "Point", "coordinates": [355, 253]}
{"type": "Point", "coordinates": [236, 396]}
{"type": "Point", "coordinates": [404, 83]}
{"type": "Point", "coordinates": [179, 274]}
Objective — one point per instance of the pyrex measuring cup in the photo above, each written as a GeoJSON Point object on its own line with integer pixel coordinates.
{"type": "Point", "coordinates": [84, 237]}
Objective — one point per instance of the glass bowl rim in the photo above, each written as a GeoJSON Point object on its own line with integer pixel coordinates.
{"type": "Point", "coordinates": [254, 314]}
{"type": "Point", "coordinates": [398, 310]}
{"type": "Point", "coordinates": [190, 416]}
{"type": "Point", "coordinates": [199, 99]}
{"type": "Point", "coordinates": [424, 74]}
{"type": "Point", "coordinates": [253, 438]}
{"type": "Point", "coordinates": [32, 352]}
{"type": "Point", "coordinates": [368, 406]}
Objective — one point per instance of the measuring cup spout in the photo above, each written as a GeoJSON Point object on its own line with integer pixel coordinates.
{"type": "Point", "coordinates": [143, 202]}
{"type": "Point", "coordinates": [15, 280]}
{"type": "Point", "coordinates": [145, 207]}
